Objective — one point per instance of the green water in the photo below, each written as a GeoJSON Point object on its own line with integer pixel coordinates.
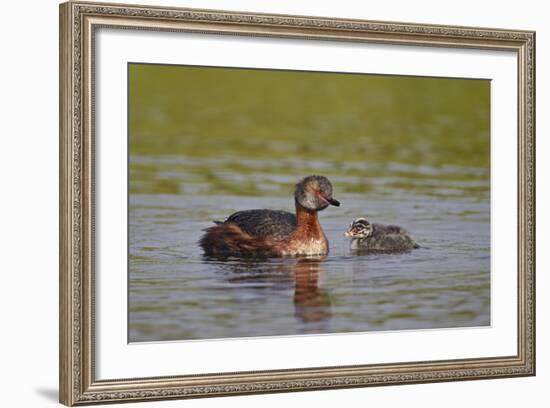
{"type": "Point", "coordinates": [205, 142]}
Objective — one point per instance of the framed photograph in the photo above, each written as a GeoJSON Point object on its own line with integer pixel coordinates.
{"type": "Point", "coordinates": [256, 203]}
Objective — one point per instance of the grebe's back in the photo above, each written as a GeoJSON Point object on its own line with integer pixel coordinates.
{"type": "Point", "coordinates": [275, 224]}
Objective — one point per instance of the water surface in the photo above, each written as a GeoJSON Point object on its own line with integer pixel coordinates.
{"type": "Point", "coordinates": [176, 293]}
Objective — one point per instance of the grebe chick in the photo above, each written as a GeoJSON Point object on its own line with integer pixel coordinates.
{"type": "Point", "coordinates": [379, 238]}
{"type": "Point", "coordinates": [275, 233]}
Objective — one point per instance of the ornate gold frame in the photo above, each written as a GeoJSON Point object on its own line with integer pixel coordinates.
{"type": "Point", "coordinates": [78, 21]}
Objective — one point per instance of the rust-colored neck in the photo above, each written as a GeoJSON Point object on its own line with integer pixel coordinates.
{"type": "Point", "coordinates": [308, 222]}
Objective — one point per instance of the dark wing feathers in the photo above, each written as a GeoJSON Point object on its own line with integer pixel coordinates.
{"type": "Point", "coordinates": [263, 223]}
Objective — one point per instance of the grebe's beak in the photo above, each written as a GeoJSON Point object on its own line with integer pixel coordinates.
{"type": "Point", "coordinates": [334, 202]}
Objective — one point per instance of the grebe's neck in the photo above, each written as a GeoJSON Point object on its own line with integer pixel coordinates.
{"type": "Point", "coordinates": [358, 243]}
{"type": "Point", "coordinates": [307, 220]}
{"type": "Point", "coordinates": [308, 238]}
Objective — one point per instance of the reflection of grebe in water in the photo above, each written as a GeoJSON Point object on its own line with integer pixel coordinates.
{"type": "Point", "coordinates": [379, 238]}
{"type": "Point", "coordinates": [311, 302]}
{"type": "Point", "coordinates": [275, 233]}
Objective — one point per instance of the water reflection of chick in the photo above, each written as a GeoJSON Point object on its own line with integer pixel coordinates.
{"type": "Point", "coordinates": [311, 302]}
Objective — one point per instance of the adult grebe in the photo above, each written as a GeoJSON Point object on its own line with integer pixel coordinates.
{"type": "Point", "coordinates": [369, 237]}
{"type": "Point", "coordinates": [275, 233]}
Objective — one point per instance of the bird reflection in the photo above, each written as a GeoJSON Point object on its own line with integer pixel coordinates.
{"type": "Point", "coordinates": [312, 304]}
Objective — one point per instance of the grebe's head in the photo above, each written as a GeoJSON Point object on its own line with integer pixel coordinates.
{"type": "Point", "coordinates": [360, 228]}
{"type": "Point", "coordinates": [315, 193]}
